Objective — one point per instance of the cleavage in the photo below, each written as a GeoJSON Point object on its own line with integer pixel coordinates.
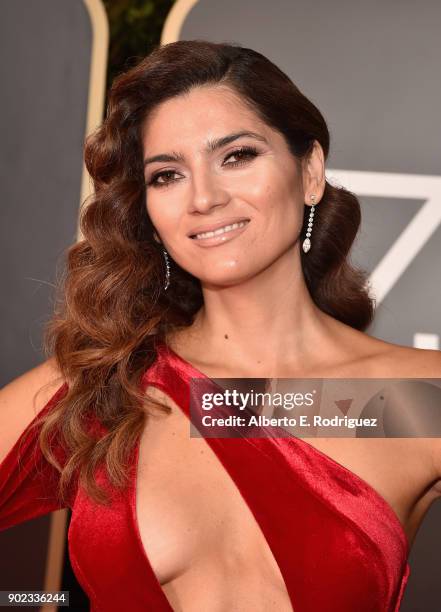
{"type": "Point", "coordinates": [190, 512]}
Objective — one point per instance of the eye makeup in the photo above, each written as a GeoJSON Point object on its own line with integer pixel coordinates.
{"type": "Point", "coordinates": [246, 153]}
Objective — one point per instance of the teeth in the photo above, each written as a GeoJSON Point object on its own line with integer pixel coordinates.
{"type": "Point", "coordinates": [221, 230]}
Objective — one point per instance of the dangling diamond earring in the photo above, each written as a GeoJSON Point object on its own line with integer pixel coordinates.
{"type": "Point", "coordinates": [307, 242]}
{"type": "Point", "coordinates": [167, 271]}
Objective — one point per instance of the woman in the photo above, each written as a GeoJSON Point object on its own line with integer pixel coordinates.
{"type": "Point", "coordinates": [209, 179]}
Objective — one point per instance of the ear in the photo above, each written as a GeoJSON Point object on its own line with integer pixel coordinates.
{"type": "Point", "coordinates": [313, 174]}
{"type": "Point", "coordinates": [155, 236]}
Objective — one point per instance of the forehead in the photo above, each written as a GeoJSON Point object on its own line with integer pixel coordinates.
{"type": "Point", "coordinates": [202, 113]}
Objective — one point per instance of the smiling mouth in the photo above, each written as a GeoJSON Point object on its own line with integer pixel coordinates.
{"type": "Point", "coordinates": [220, 231]}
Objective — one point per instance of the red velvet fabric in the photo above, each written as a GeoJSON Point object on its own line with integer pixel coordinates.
{"type": "Point", "coordinates": [339, 545]}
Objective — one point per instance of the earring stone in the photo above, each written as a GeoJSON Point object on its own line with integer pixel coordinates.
{"type": "Point", "coordinates": [167, 270]}
{"type": "Point", "coordinates": [307, 242]}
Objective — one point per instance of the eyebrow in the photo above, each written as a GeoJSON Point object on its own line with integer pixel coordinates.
{"type": "Point", "coordinates": [211, 146]}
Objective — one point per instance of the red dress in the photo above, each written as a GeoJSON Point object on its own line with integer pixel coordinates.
{"type": "Point", "coordinates": [339, 545]}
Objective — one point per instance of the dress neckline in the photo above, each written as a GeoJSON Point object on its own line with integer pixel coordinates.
{"type": "Point", "coordinates": [194, 372]}
{"type": "Point", "coordinates": [182, 370]}
{"type": "Point", "coordinates": [167, 355]}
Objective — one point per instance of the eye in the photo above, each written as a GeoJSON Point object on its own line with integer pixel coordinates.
{"type": "Point", "coordinates": [154, 180]}
{"type": "Point", "coordinates": [242, 152]}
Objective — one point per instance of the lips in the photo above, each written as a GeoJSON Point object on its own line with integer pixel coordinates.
{"type": "Point", "coordinates": [221, 238]}
{"type": "Point", "coordinates": [214, 226]}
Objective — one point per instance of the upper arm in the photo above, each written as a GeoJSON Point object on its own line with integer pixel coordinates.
{"type": "Point", "coordinates": [23, 398]}
{"type": "Point", "coordinates": [426, 363]}
{"type": "Point", "coordinates": [29, 483]}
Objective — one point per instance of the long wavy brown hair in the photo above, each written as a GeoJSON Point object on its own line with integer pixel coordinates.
{"type": "Point", "coordinates": [111, 309]}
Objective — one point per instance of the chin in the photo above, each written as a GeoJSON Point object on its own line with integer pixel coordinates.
{"type": "Point", "coordinates": [224, 280]}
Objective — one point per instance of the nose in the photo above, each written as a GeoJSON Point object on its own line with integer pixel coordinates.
{"type": "Point", "coordinates": [207, 191]}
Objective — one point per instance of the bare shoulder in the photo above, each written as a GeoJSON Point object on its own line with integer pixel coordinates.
{"type": "Point", "coordinates": [408, 362]}
{"type": "Point", "coordinates": [381, 359]}
{"type": "Point", "coordinates": [23, 398]}
{"type": "Point", "coordinates": [421, 363]}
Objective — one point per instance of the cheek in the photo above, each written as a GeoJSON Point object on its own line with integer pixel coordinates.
{"type": "Point", "coordinates": [281, 205]}
{"type": "Point", "coordinates": [275, 186]}
{"type": "Point", "coordinates": [163, 217]}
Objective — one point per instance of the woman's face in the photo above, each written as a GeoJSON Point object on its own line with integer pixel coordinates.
{"type": "Point", "coordinates": [194, 187]}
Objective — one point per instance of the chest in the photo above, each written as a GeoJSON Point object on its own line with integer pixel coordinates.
{"type": "Point", "coordinates": [190, 512]}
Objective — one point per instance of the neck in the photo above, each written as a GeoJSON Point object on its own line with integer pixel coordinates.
{"type": "Point", "coordinates": [265, 325]}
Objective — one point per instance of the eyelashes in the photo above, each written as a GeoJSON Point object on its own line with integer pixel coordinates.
{"type": "Point", "coordinates": [246, 153]}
